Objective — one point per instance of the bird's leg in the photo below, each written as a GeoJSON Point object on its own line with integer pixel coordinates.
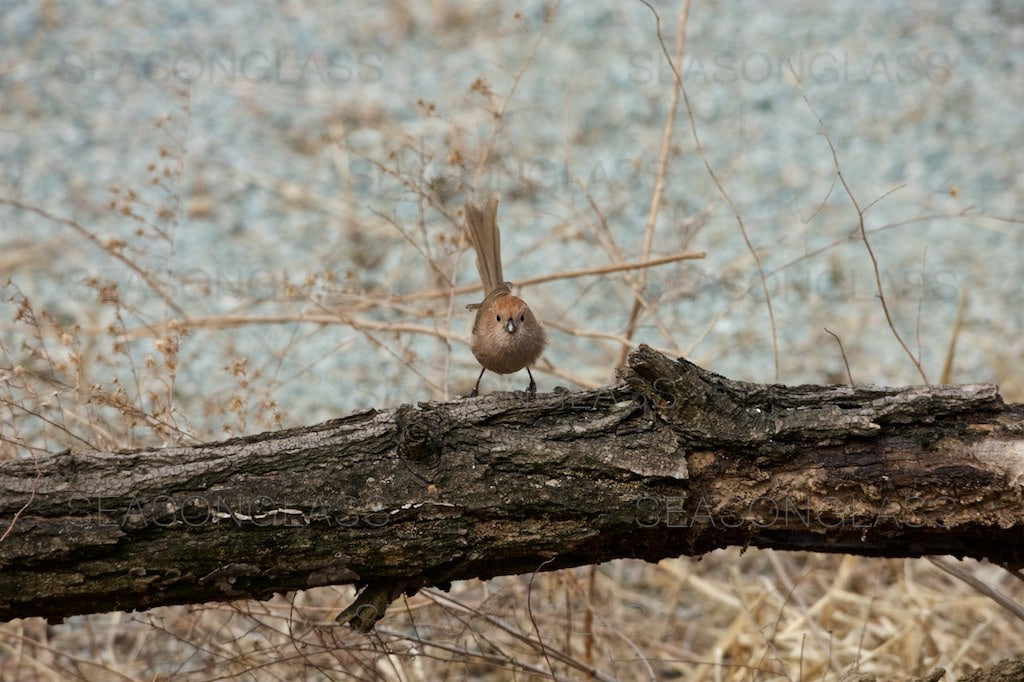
{"type": "Point", "coordinates": [532, 388]}
{"type": "Point", "coordinates": [476, 388]}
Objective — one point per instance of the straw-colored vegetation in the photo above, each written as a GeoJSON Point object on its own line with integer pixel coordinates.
{"type": "Point", "coordinates": [150, 353]}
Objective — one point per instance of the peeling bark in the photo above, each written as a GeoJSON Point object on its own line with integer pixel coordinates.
{"type": "Point", "coordinates": [673, 461]}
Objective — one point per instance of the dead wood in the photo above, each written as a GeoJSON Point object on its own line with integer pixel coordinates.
{"type": "Point", "coordinates": [673, 461]}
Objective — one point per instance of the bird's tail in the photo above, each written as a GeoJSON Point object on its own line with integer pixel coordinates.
{"type": "Point", "coordinates": [482, 225]}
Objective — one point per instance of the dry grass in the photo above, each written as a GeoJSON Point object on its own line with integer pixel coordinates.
{"type": "Point", "coordinates": [153, 355]}
{"type": "Point", "coordinates": [730, 616]}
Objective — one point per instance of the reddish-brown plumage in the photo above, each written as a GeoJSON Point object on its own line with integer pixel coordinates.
{"type": "Point", "coordinates": [507, 337]}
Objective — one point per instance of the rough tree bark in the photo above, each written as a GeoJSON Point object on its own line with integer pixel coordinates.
{"type": "Point", "coordinates": [673, 461]}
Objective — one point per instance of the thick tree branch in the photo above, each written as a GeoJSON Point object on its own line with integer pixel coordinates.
{"type": "Point", "coordinates": [674, 461]}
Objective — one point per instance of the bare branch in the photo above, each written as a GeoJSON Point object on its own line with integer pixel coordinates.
{"type": "Point", "coordinates": [676, 460]}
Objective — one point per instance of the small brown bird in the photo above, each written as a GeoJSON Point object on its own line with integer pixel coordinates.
{"type": "Point", "coordinates": [506, 335]}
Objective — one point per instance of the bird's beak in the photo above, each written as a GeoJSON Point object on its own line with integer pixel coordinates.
{"type": "Point", "coordinates": [510, 326]}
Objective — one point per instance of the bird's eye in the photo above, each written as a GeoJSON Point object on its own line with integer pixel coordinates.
{"type": "Point", "coordinates": [522, 318]}
{"type": "Point", "coordinates": [498, 318]}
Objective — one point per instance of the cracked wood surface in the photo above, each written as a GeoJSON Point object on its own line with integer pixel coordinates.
{"type": "Point", "coordinates": [673, 461]}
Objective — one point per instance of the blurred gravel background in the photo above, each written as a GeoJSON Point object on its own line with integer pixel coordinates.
{"type": "Point", "coordinates": [265, 161]}
{"type": "Point", "coordinates": [285, 109]}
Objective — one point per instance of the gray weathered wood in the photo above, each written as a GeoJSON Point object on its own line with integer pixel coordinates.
{"type": "Point", "coordinates": [673, 461]}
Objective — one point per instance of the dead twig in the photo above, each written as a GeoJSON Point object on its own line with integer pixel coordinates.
{"type": "Point", "coordinates": [849, 375]}
{"type": "Point", "coordinates": [860, 222]}
{"type": "Point", "coordinates": [663, 156]}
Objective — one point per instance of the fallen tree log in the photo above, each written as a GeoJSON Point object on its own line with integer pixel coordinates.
{"type": "Point", "coordinates": [673, 461]}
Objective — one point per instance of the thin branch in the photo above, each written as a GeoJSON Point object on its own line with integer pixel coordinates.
{"type": "Point", "coordinates": [501, 661]}
{"type": "Point", "coordinates": [607, 240]}
{"type": "Point", "coordinates": [533, 621]}
{"type": "Point", "coordinates": [947, 366]}
{"type": "Point", "coordinates": [849, 375]}
{"type": "Point", "coordinates": [863, 228]}
{"type": "Point", "coordinates": [368, 302]}
{"type": "Point", "coordinates": [811, 254]}
{"type": "Point", "coordinates": [499, 115]}
{"type": "Point", "coordinates": [992, 593]}
{"type": "Point", "coordinates": [663, 156]}
{"type": "Point", "coordinates": [497, 622]}
{"type": "Point", "coordinates": [146, 277]}
{"type": "Point", "coordinates": [32, 496]}
{"type": "Point", "coordinates": [52, 423]}
{"type": "Point", "coordinates": [743, 230]}
{"type": "Point", "coordinates": [612, 267]}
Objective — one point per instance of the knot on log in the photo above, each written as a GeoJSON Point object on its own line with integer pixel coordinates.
{"type": "Point", "coordinates": [420, 433]}
{"type": "Point", "coordinates": [712, 411]}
